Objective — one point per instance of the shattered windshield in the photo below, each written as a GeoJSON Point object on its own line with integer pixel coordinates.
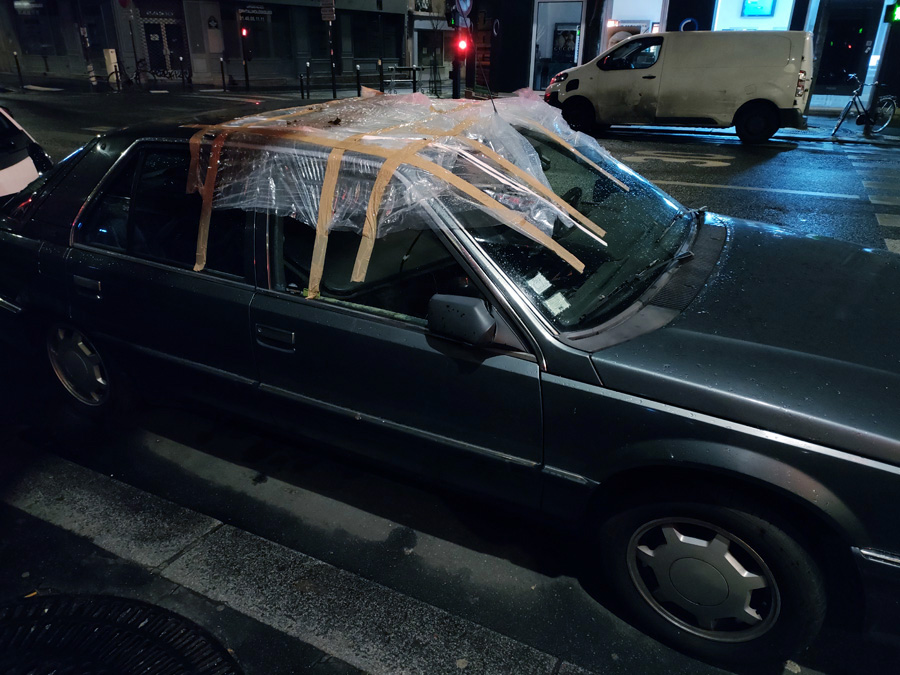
{"type": "Point", "coordinates": [644, 231]}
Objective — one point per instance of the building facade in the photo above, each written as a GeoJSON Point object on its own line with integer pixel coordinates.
{"type": "Point", "coordinates": [512, 44]}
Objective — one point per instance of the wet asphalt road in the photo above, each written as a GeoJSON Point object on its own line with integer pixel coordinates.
{"type": "Point", "coordinates": [458, 554]}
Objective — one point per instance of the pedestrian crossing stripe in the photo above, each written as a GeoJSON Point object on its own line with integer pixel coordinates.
{"type": "Point", "coordinates": [888, 219]}
{"type": "Point", "coordinates": [893, 245]}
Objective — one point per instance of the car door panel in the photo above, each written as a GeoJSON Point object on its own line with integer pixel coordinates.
{"type": "Point", "coordinates": [394, 392]}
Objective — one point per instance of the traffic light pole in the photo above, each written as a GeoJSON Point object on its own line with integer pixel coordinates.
{"type": "Point", "coordinates": [454, 76]}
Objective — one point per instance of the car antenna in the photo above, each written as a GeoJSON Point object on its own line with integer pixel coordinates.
{"type": "Point", "coordinates": [483, 76]}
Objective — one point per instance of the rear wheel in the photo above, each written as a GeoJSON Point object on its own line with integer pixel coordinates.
{"type": "Point", "coordinates": [756, 123]}
{"type": "Point", "coordinates": [78, 366]}
{"type": "Point", "coordinates": [714, 581]}
{"type": "Point", "coordinates": [883, 114]}
{"type": "Point", "coordinates": [579, 113]}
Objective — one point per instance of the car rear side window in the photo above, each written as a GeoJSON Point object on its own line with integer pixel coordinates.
{"type": "Point", "coordinates": [146, 212]}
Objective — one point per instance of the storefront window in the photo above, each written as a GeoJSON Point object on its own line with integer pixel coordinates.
{"type": "Point", "coordinates": [557, 44]}
{"type": "Point", "coordinates": [38, 26]}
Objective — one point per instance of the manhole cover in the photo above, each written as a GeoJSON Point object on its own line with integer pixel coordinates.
{"type": "Point", "coordinates": [103, 635]}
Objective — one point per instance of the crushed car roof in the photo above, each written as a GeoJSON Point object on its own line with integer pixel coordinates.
{"type": "Point", "coordinates": [327, 164]}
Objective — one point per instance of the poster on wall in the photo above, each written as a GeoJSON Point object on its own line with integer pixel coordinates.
{"type": "Point", "coordinates": [565, 42]}
{"type": "Point", "coordinates": [758, 8]}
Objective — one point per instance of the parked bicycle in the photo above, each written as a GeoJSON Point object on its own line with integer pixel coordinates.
{"type": "Point", "coordinates": [873, 119]}
{"type": "Point", "coordinates": [120, 77]}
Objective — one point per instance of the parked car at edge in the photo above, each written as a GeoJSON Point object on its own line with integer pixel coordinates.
{"type": "Point", "coordinates": [755, 81]}
{"type": "Point", "coordinates": [21, 157]}
{"type": "Point", "coordinates": [712, 401]}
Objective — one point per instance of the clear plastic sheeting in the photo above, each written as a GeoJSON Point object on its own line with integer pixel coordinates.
{"type": "Point", "coordinates": [363, 164]}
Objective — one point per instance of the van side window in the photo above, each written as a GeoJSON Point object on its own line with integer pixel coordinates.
{"type": "Point", "coordinates": [637, 54]}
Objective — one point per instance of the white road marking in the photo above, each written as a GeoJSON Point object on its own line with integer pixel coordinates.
{"type": "Point", "coordinates": [893, 245]}
{"type": "Point", "coordinates": [879, 166]}
{"type": "Point", "coordinates": [833, 195]}
{"type": "Point", "coordinates": [888, 219]}
{"type": "Point", "coordinates": [159, 91]}
{"type": "Point", "coordinates": [35, 87]}
{"type": "Point", "coordinates": [98, 130]}
{"type": "Point", "coordinates": [701, 159]}
{"type": "Point", "coordinates": [885, 200]}
{"type": "Point", "coordinates": [224, 97]}
{"type": "Point", "coordinates": [880, 185]}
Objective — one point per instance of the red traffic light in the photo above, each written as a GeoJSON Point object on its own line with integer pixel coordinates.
{"type": "Point", "coordinates": [244, 32]}
{"type": "Point", "coordinates": [462, 45]}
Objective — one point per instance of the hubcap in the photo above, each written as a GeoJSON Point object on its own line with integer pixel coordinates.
{"type": "Point", "coordinates": [78, 365]}
{"type": "Point", "coordinates": [703, 579]}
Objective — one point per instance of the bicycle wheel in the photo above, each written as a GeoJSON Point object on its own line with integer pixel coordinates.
{"type": "Point", "coordinates": [883, 114]}
{"type": "Point", "coordinates": [843, 116]}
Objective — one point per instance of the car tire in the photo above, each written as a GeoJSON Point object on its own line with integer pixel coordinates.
{"type": "Point", "coordinates": [756, 123]}
{"type": "Point", "coordinates": [717, 582]}
{"type": "Point", "coordinates": [87, 381]}
{"type": "Point", "coordinates": [579, 113]}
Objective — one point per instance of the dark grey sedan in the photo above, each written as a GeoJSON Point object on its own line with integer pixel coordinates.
{"type": "Point", "coordinates": [488, 299]}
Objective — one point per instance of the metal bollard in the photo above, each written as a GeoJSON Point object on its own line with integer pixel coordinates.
{"type": "Point", "coordinates": [19, 70]}
{"type": "Point", "coordinates": [222, 67]}
{"type": "Point", "coordinates": [246, 76]}
{"type": "Point", "coordinates": [381, 76]}
{"type": "Point", "coordinates": [181, 67]}
{"type": "Point", "coordinates": [358, 82]}
{"type": "Point", "coordinates": [414, 79]}
{"type": "Point", "coordinates": [302, 94]}
{"type": "Point", "coordinates": [308, 81]}
{"type": "Point", "coordinates": [116, 75]}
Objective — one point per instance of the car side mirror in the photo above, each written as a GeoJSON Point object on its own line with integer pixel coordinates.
{"type": "Point", "coordinates": [462, 318]}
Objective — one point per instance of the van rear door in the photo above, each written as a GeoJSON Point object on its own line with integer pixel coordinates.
{"type": "Point", "coordinates": [628, 88]}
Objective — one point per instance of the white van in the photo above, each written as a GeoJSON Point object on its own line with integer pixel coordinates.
{"type": "Point", "coordinates": [756, 81]}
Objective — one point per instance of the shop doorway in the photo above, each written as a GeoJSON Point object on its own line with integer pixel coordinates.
{"type": "Point", "coordinates": [165, 44]}
{"type": "Point", "coordinates": [848, 45]}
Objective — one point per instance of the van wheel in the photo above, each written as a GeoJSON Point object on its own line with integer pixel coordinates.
{"type": "Point", "coordinates": [713, 580]}
{"type": "Point", "coordinates": [756, 122]}
{"type": "Point", "coordinates": [579, 113]}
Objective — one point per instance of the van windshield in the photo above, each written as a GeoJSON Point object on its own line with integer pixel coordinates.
{"type": "Point", "coordinates": [645, 231]}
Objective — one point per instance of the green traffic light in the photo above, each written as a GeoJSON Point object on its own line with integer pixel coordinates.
{"type": "Point", "coordinates": [896, 15]}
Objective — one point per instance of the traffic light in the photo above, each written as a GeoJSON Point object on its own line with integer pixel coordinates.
{"type": "Point", "coordinates": [245, 43]}
{"type": "Point", "coordinates": [892, 13]}
{"type": "Point", "coordinates": [462, 46]}
{"type": "Point", "coordinates": [451, 14]}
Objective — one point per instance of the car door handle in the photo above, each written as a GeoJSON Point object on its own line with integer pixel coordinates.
{"type": "Point", "coordinates": [649, 77]}
{"type": "Point", "coordinates": [87, 286]}
{"type": "Point", "coordinates": [275, 337]}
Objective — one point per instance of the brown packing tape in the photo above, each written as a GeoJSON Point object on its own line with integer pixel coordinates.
{"type": "Point", "coordinates": [326, 210]}
{"type": "Point", "coordinates": [556, 137]}
{"type": "Point", "coordinates": [536, 185]}
{"type": "Point", "coordinates": [369, 231]}
{"type": "Point", "coordinates": [385, 173]}
{"type": "Point", "coordinates": [508, 216]}
{"type": "Point", "coordinates": [207, 195]}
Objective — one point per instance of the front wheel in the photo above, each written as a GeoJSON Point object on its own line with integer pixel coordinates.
{"type": "Point", "coordinates": [844, 113]}
{"type": "Point", "coordinates": [883, 114]}
{"type": "Point", "coordinates": [714, 581]}
{"type": "Point", "coordinates": [579, 113]}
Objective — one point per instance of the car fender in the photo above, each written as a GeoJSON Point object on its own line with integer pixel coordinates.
{"type": "Point", "coordinates": [673, 461]}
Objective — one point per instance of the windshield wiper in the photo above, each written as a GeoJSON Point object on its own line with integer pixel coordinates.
{"type": "Point", "coordinates": [693, 213]}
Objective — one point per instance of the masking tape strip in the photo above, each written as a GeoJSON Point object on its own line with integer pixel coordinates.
{"type": "Point", "coordinates": [207, 195]}
{"type": "Point", "coordinates": [577, 153]}
{"type": "Point", "coordinates": [508, 216]}
{"type": "Point", "coordinates": [369, 231]}
{"type": "Point", "coordinates": [385, 173]}
{"type": "Point", "coordinates": [326, 211]}
{"type": "Point", "coordinates": [537, 185]}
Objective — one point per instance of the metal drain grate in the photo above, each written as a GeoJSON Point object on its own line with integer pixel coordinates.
{"type": "Point", "coordinates": [104, 635]}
